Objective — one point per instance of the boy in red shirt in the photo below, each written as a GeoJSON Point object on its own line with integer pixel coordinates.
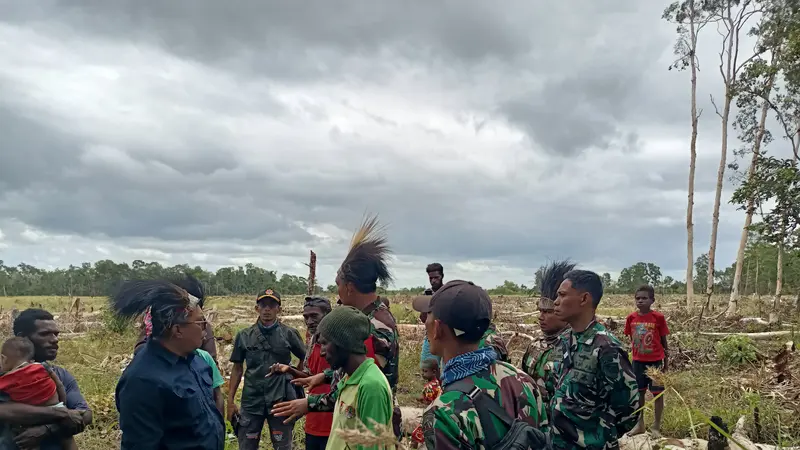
{"type": "Point", "coordinates": [648, 331]}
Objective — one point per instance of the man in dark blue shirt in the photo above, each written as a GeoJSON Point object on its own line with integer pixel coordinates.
{"type": "Point", "coordinates": [165, 397]}
{"type": "Point", "coordinates": [46, 426]}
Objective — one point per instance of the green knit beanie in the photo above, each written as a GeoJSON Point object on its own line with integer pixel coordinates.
{"type": "Point", "coordinates": [347, 328]}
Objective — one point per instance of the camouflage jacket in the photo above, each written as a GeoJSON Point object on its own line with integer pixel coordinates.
{"type": "Point", "coordinates": [540, 362]}
{"type": "Point", "coordinates": [493, 338]}
{"type": "Point", "coordinates": [382, 345]}
{"type": "Point", "coordinates": [451, 421]}
{"type": "Point", "coordinates": [596, 399]}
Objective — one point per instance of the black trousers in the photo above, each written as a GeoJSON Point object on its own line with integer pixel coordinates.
{"type": "Point", "coordinates": [316, 442]}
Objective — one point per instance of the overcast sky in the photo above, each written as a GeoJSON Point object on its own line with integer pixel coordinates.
{"type": "Point", "coordinates": [489, 138]}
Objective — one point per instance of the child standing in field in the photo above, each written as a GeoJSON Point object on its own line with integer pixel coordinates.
{"type": "Point", "coordinates": [29, 382]}
{"type": "Point", "coordinates": [431, 391]}
{"type": "Point", "coordinates": [648, 331]}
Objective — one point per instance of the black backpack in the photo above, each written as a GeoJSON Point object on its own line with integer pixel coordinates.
{"type": "Point", "coordinates": [520, 434]}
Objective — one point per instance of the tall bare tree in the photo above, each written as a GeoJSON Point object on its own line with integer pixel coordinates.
{"type": "Point", "coordinates": [756, 87]}
{"type": "Point", "coordinates": [689, 20]}
{"type": "Point", "coordinates": [731, 17]}
{"type": "Point", "coordinates": [779, 22]}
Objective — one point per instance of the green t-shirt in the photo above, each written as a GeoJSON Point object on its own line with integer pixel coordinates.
{"type": "Point", "coordinates": [216, 377]}
{"type": "Point", "coordinates": [364, 397]}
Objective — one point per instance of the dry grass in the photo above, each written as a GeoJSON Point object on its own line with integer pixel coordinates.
{"type": "Point", "coordinates": [96, 357]}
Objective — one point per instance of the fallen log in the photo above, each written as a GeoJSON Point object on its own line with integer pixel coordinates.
{"type": "Point", "coordinates": [739, 435]}
{"type": "Point", "coordinates": [756, 336]}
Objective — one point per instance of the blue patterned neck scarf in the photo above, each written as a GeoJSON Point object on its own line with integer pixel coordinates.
{"type": "Point", "coordinates": [468, 364]}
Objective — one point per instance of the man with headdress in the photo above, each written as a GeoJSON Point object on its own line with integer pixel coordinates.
{"type": "Point", "coordinates": [165, 396]}
{"type": "Point", "coordinates": [259, 348]}
{"type": "Point", "coordinates": [540, 360]}
{"type": "Point", "coordinates": [357, 282]}
{"type": "Point", "coordinates": [193, 286]}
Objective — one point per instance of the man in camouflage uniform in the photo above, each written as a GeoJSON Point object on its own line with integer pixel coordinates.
{"type": "Point", "coordinates": [494, 340]}
{"type": "Point", "coordinates": [596, 397]}
{"type": "Point", "coordinates": [458, 316]}
{"type": "Point", "coordinates": [540, 360]}
{"type": "Point", "coordinates": [357, 282]}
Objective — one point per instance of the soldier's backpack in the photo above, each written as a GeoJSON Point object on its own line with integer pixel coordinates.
{"type": "Point", "coordinates": [520, 435]}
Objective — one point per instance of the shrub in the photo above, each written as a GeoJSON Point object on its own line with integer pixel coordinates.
{"type": "Point", "coordinates": [736, 350]}
{"type": "Point", "coordinates": [114, 323]}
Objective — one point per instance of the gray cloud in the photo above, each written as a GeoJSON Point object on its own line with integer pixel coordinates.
{"type": "Point", "coordinates": [489, 138]}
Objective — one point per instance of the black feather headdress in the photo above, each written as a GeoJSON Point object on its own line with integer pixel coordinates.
{"type": "Point", "coordinates": [169, 303]}
{"type": "Point", "coordinates": [191, 285]}
{"type": "Point", "coordinates": [365, 263]}
{"type": "Point", "coordinates": [551, 279]}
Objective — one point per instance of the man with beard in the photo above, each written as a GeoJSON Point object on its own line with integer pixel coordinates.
{"type": "Point", "coordinates": [364, 397]}
{"type": "Point", "coordinates": [596, 397]}
{"type": "Point", "coordinates": [435, 277]}
{"type": "Point", "coordinates": [540, 360]}
{"type": "Point", "coordinates": [165, 396]}
{"type": "Point", "coordinates": [45, 426]}
{"type": "Point", "coordinates": [261, 346]}
{"type": "Point", "coordinates": [357, 282]}
{"type": "Point", "coordinates": [318, 424]}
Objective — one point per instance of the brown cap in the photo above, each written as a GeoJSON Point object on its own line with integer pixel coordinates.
{"type": "Point", "coordinates": [463, 306]}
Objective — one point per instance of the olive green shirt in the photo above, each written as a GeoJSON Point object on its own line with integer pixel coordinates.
{"type": "Point", "coordinates": [259, 348]}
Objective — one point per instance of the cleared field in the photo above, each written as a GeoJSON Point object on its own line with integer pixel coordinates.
{"type": "Point", "coordinates": [95, 348]}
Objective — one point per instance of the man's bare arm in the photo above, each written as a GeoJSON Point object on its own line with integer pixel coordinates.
{"type": "Point", "coordinates": [27, 415]}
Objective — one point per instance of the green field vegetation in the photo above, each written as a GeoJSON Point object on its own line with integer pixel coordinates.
{"type": "Point", "coordinates": [95, 349]}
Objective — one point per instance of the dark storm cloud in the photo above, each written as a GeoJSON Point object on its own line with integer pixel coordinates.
{"type": "Point", "coordinates": [571, 77]}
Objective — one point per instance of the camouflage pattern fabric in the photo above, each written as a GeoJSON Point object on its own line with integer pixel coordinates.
{"type": "Point", "coordinates": [540, 362]}
{"type": "Point", "coordinates": [596, 397]}
{"type": "Point", "coordinates": [384, 337]}
{"type": "Point", "coordinates": [451, 421]}
{"type": "Point", "coordinates": [493, 338]}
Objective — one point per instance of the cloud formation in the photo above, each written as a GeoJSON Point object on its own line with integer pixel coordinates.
{"type": "Point", "coordinates": [490, 139]}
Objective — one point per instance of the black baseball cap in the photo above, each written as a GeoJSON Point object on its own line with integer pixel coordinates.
{"type": "Point", "coordinates": [270, 294]}
{"type": "Point", "coordinates": [463, 306]}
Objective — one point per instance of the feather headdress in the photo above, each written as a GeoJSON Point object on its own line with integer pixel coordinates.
{"type": "Point", "coordinates": [365, 263]}
{"type": "Point", "coordinates": [551, 279]}
{"type": "Point", "coordinates": [168, 303]}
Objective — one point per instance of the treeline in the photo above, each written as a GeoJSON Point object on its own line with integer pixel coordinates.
{"type": "Point", "coordinates": [759, 275]}
{"type": "Point", "coordinates": [103, 276]}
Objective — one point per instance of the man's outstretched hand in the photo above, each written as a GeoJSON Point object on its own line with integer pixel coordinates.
{"type": "Point", "coordinates": [293, 409]}
{"type": "Point", "coordinates": [310, 382]}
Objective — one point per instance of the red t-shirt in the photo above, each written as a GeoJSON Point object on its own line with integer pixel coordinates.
{"type": "Point", "coordinates": [646, 331]}
{"type": "Point", "coordinates": [318, 423]}
{"type": "Point", "coordinates": [30, 385]}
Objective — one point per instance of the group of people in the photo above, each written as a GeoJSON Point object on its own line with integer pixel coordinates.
{"type": "Point", "coordinates": [576, 387]}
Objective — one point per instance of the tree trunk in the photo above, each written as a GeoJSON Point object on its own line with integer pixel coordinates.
{"type": "Point", "coordinates": [733, 302]}
{"type": "Point", "coordinates": [692, 164]}
{"type": "Point", "coordinates": [776, 301]}
{"type": "Point", "coordinates": [312, 273]}
{"type": "Point", "coordinates": [712, 248]}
